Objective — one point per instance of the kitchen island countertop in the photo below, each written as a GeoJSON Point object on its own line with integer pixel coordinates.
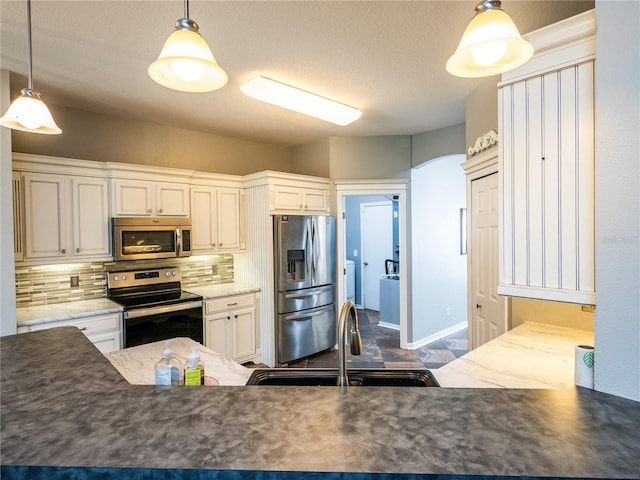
{"type": "Point", "coordinates": [68, 413]}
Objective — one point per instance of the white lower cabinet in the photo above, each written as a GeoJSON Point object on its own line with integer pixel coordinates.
{"type": "Point", "coordinates": [104, 331]}
{"type": "Point", "coordinates": [230, 327]}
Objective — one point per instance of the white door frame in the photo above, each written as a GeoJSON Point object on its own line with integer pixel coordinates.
{"type": "Point", "coordinates": [388, 203]}
{"type": "Point", "coordinates": [478, 166]}
{"type": "Point", "coordinates": [346, 188]}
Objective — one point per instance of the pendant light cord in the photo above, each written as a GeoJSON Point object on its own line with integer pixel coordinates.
{"type": "Point", "coordinates": [29, 71]}
{"type": "Point", "coordinates": [186, 8]}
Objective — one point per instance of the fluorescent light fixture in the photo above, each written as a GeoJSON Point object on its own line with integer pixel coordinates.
{"type": "Point", "coordinates": [292, 98]}
{"type": "Point", "coordinates": [490, 45]}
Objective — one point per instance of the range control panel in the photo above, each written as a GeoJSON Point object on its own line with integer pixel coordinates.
{"type": "Point", "coordinates": [143, 277]}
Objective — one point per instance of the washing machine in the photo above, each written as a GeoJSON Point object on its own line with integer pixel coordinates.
{"type": "Point", "coordinates": [350, 266]}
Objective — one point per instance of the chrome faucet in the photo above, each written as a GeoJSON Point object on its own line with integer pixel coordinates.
{"type": "Point", "coordinates": [355, 341]}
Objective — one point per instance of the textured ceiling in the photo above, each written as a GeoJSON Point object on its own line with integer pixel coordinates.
{"type": "Point", "coordinates": [384, 57]}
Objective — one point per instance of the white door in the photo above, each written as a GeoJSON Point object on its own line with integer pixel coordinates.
{"type": "Point", "coordinates": [376, 234]}
{"type": "Point", "coordinates": [488, 308]}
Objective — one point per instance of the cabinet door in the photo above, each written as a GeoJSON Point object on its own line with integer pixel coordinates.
{"type": "Point", "coordinates": [315, 200]}
{"type": "Point", "coordinates": [90, 199]}
{"type": "Point", "coordinates": [547, 179]}
{"type": "Point", "coordinates": [133, 197]}
{"type": "Point", "coordinates": [228, 219]}
{"type": "Point", "coordinates": [217, 332]}
{"type": "Point", "coordinates": [243, 334]}
{"type": "Point", "coordinates": [46, 216]}
{"type": "Point", "coordinates": [287, 198]}
{"type": "Point", "coordinates": [203, 219]}
{"type": "Point", "coordinates": [172, 200]}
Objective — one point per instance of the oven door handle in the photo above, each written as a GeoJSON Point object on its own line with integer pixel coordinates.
{"type": "Point", "coordinates": [146, 312]}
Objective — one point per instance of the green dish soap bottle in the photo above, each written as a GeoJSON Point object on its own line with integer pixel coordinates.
{"type": "Point", "coordinates": [194, 370]}
{"type": "Point", "coordinates": [168, 369]}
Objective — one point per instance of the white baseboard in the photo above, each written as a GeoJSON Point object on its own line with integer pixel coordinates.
{"type": "Point", "coordinates": [391, 326]}
{"type": "Point", "coordinates": [437, 336]}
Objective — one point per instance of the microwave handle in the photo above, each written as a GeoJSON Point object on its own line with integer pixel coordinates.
{"type": "Point", "coordinates": [178, 242]}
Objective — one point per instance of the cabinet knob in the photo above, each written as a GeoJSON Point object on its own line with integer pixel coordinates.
{"type": "Point", "coordinates": [228, 317]}
{"type": "Point", "coordinates": [63, 251]}
{"type": "Point", "coordinates": [478, 305]}
{"type": "Point", "coordinates": [219, 244]}
{"type": "Point", "coordinates": [148, 210]}
{"type": "Point", "coordinates": [159, 210]}
{"type": "Point", "coordinates": [78, 250]}
{"type": "Point", "coordinates": [306, 206]}
{"type": "Point", "coordinates": [366, 264]}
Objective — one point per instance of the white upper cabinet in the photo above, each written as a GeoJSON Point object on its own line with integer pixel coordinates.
{"type": "Point", "coordinates": [546, 128]}
{"type": "Point", "coordinates": [300, 199]}
{"type": "Point", "coordinates": [216, 217]}
{"type": "Point", "coordinates": [63, 216]}
{"type": "Point", "coordinates": [150, 198]}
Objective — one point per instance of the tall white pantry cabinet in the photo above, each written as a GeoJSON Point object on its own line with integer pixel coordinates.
{"type": "Point", "coordinates": [547, 168]}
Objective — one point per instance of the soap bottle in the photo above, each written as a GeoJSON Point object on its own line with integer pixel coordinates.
{"type": "Point", "coordinates": [194, 370]}
{"type": "Point", "coordinates": [168, 369]}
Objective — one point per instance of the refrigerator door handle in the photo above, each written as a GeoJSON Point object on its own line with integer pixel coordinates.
{"type": "Point", "coordinates": [314, 249]}
{"type": "Point", "coordinates": [308, 249]}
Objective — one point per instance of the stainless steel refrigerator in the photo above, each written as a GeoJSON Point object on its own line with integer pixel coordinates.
{"type": "Point", "coordinates": [305, 275]}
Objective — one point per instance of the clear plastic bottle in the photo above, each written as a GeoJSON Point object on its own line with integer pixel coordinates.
{"type": "Point", "coordinates": [168, 369]}
{"type": "Point", "coordinates": [194, 370]}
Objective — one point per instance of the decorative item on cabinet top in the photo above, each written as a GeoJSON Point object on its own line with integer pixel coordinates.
{"type": "Point", "coordinates": [483, 142]}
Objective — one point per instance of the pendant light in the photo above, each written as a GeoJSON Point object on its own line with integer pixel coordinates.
{"type": "Point", "coordinates": [27, 112]}
{"type": "Point", "coordinates": [186, 62]}
{"type": "Point", "coordinates": [490, 45]}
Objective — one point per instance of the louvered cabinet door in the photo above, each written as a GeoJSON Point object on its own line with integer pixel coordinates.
{"type": "Point", "coordinates": [547, 246]}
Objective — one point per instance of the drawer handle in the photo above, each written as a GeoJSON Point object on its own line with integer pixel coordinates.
{"type": "Point", "coordinates": [232, 304]}
{"type": "Point", "coordinates": [83, 329]}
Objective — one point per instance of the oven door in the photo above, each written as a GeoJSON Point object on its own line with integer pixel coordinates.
{"type": "Point", "coordinates": [147, 325]}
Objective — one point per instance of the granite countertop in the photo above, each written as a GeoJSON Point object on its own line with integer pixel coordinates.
{"type": "Point", "coordinates": [68, 413]}
{"type": "Point", "coordinates": [136, 364]}
{"type": "Point", "coordinates": [65, 311]}
{"type": "Point", "coordinates": [532, 355]}
{"type": "Point", "coordinates": [221, 290]}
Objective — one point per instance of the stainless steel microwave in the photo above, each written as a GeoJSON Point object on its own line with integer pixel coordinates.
{"type": "Point", "coordinates": [145, 238]}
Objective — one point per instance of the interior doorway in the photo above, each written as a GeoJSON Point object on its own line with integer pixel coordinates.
{"type": "Point", "coordinates": [376, 240]}
{"type": "Point", "coordinates": [389, 190]}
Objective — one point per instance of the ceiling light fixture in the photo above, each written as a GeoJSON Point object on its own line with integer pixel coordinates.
{"type": "Point", "coordinates": [292, 98]}
{"type": "Point", "coordinates": [490, 45]}
{"type": "Point", "coordinates": [186, 62]}
{"type": "Point", "coordinates": [27, 112]}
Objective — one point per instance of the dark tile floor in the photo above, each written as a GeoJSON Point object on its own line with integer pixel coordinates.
{"type": "Point", "coordinates": [381, 349]}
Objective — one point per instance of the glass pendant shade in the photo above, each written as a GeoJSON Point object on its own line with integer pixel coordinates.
{"type": "Point", "coordinates": [29, 114]}
{"type": "Point", "coordinates": [490, 45]}
{"type": "Point", "coordinates": [187, 64]}
{"type": "Point", "coordinates": [292, 98]}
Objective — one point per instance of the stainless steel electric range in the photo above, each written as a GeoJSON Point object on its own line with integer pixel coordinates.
{"type": "Point", "coordinates": [155, 306]}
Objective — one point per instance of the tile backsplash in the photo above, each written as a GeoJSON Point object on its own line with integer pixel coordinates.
{"type": "Point", "coordinates": [44, 285]}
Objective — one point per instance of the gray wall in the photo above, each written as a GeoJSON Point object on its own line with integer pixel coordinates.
{"type": "Point", "coordinates": [437, 143]}
{"type": "Point", "coordinates": [481, 109]}
{"type": "Point", "coordinates": [617, 320]}
{"type": "Point", "coordinates": [370, 157]}
{"type": "Point", "coordinates": [92, 136]}
{"type": "Point", "coordinates": [311, 159]}
{"type": "Point", "coordinates": [7, 271]}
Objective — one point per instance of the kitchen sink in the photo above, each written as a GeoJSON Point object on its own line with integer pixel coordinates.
{"type": "Point", "coordinates": [315, 377]}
